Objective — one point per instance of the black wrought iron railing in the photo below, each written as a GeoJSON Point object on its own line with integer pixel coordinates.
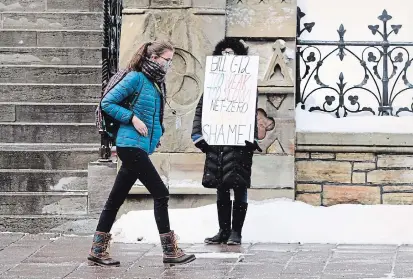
{"type": "Point", "coordinates": [385, 64]}
{"type": "Point", "coordinates": [110, 56]}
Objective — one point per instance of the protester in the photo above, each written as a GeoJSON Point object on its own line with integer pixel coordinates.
{"type": "Point", "coordinates": [138, 136]}
{"type": "Point", "coordinates": [227, 167]}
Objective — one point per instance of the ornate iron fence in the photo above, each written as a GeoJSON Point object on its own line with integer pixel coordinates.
{"type": "Point", "coordinates": [110, 56]}
{"type": "Point", "coordinates": [381, 61]}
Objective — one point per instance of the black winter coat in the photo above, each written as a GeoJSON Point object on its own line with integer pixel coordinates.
{"type": "Point", "coordinates": [225, 166]}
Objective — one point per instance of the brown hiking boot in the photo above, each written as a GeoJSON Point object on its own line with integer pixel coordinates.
{"type": "Point", "coordinates": [99, 254]}
{"type": "Point", "coordinates": [172, 254]}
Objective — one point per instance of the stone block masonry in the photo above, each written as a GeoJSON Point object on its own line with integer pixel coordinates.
{"type": "Point", "coordinates": [195, 27]}
{"type": "Point", "coordinates": [334, 174]}
{"type": "Point", "coordinates": [50, 83]}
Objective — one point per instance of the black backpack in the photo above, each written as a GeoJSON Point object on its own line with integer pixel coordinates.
{"type": "Point", "coordinates": [104, 122]}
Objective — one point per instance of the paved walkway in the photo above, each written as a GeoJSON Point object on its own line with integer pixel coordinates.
{"type": "Point", "coordinates": [52, 256]}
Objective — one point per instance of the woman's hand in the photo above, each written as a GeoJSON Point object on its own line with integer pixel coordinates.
{"type": "Point", "coordinates": [253, 146]}
{"type": "Point", "coordinates": [140, 126]}
{"type": "Point", "coordinates": [202, 145]}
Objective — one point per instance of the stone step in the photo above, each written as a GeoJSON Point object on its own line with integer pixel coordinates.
{"type": "Point", "coordinates": [23, 5]}
{"type": "Point", "coordinates": [48, 146]}
{"type": "Point", "coordinates": [52, 20]}
{"type": "Point", "coordinates": [50, 74]}
{"type": "Point", "coordinates": [28, 180]}
{"type": "Point", "coordinates": [43, 203]}
{"type": "Point", "coordinates": [51, 38]}
{"type": "Point", "coordinates": [75, 5]}
{"type": "Point", "coordinates": [50, 56]}
{"type": "Point", "coordinates": [40, 157]}
{"type": "Point", "coordinates": [51, 5]}
{"type": "Point", "coordinates": [50, 93]}
{"type": "Point", "coordinates": [47, 113]}
{"type": "Point", "coordinates": [23, 132]}
{"type": "Point", "coordinates": [35, 223]}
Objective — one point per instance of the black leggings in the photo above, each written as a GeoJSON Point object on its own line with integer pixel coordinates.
{"type": "Point", "coordinates": [136, 165]}
{"type": "Point", "coordinates": [224, 195]}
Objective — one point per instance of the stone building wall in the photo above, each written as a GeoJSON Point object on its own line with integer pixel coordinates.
{"type": "Point", "coordinates": [195, 27]}
{"type": "Point", "coordinates": [354, 169]}
{"type": "Point", "coordinates": [322, 169]}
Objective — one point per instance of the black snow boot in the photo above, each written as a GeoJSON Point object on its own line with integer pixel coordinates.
{"type": "Point", "coordinates": [172, 254]}
{"type": "Point", "coordinates": [224, 220]}
{"type": "Point", "coordinates": [238, 217]}
{"type": "Point", "coordinates": [99, 254]}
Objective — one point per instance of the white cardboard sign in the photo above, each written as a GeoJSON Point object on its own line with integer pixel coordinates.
{"type": "Point", "coordinates": [229, 104]}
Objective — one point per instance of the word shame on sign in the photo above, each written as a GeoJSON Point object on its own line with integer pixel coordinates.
{"type": "Point", "coordinates": [230, 99]}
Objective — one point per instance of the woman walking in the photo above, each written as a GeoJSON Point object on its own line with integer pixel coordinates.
{"type": "Point", "coordinates": [226, 167]}
{"type": "Point", "coordinates": [138, 136]}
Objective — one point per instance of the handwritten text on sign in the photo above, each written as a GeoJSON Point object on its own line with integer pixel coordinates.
{"type": "Point", "coordinates": [229, 105]}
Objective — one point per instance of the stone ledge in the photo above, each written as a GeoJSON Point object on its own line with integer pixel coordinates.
{"type": "Point", "coordinates": [140, 190]}
{"type": "Point", "coordinates": [43, 203]}
{"type": "Point", "coordinates": [205, 11]}
{"type": "Point", "coordinates": [35, 223]}
{"type": "Point", "coordinates": [354, 142]}
{"type": "Point", "coordinates": [275, 90]}
{"type": "Point", "coordinates": [253, 193]}
{"type": "Point", "coordinates": [186, 169]}
{"type": "Point", "coordinates": [133, 11]}
{"type": "Point", "coordinates": [354, 148]}
{"type": "Point", "coordinates": [323, 156]}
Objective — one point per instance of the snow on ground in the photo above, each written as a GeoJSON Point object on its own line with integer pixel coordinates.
{"type": "Point", "coordinates": [281, 221]}
{"type": "Point", "coordinates": [322, 122]}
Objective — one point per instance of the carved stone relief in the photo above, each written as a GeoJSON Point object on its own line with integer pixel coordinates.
{"type": "Point", "coordinates": [278, 72]}
{"type": "Point", "coordinates": [184, 81]}
{"type": "Point", "coordinates": [276, 128]}
{"type": "Point", "coordinates": [280, 139]}
{"type": "Point", "coordinates": [277, 65]}
{"type": "Point", "coordinates": [264, 123]}
{"type": "Point", "coordinates": [194, 33]}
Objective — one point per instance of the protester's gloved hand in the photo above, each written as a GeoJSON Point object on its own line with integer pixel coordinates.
{"type": "Point", "coordinates": [253, 146]}
{"type": "Point", "coordinates": [202, 145]}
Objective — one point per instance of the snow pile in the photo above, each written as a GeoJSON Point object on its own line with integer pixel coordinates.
{"type": "Point", "coordinates": [322, 122]}
{"type": "Point", "coordinates": [281, 221]}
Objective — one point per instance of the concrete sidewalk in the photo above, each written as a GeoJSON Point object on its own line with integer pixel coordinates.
{"type": "Point", "coordinates": [49, 256]}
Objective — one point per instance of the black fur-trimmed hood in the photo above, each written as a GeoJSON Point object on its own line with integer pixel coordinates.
{"type": "Point", "coordinates": [233, 43]}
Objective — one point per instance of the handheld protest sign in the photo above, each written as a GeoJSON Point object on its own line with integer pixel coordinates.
{"type": "Point", "coordinates": [229, 102]}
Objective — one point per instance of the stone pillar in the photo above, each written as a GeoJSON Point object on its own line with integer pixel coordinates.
{"type": "Point", "coordinates": [261, 22]}
{"type": "Point", "coordinates": [101, 176]}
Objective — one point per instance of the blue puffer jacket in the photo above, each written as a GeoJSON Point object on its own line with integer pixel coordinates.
{"type": "Point", "coordinates": [147, 108]}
